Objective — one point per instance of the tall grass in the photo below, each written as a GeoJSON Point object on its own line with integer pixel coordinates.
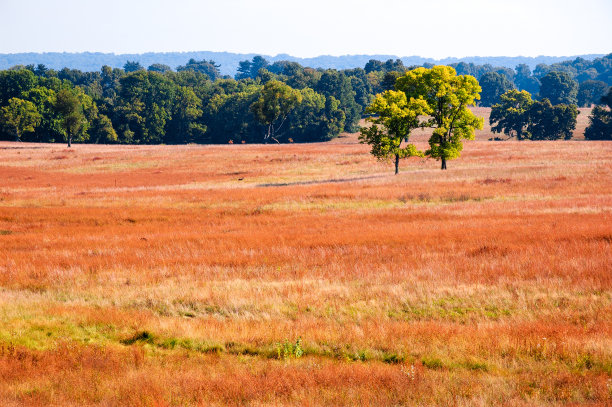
{"type": "Point", "coordinates": [192, 275]}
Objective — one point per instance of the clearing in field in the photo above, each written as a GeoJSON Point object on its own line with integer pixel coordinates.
{"type": "Point", "coordinates": [305, 275]}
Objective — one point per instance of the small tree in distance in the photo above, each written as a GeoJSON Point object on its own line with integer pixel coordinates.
{"type": "Point", "coordinates": [395, 118]}
{"type": "Point", "coordinates": [69, 107]}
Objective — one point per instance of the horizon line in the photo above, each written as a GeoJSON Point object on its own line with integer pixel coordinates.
{"type": "Point", "coordinates": [300, 57]}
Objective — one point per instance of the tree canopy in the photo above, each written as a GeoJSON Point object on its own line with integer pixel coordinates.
{"type": "Point", "coordinates": [209, 68]}
{"type": "Point", "coordinates": [20, 116]}
{"type": "Point", "coordinates": [192, 104]}
{"type": "Point", "coordinates": [510, 115]}
{"type": "Point", "coordinates": [590, 92]}
{"type": "Point", "coordinates": [73, 118]}
{"type": "Point", "coordinates": [277, 100]}
{"type": "Point", "coordinates": [394, 118]}
{"type": "Point", "coordinates": [548, 122]}
{"type": "Point", "coordinates": [493, 86]}
{"type": "Point", "coordinates": [559, 87]}
{"type": "Point", "coordinates": [600, 121]}
{"type": "Point", "coordinates": [519, 116]}
{"type": "Point", "coordinates": [447, 96]}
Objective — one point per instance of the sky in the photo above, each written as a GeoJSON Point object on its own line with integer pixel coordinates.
{"type": "Point", "coordinates": [308, 28]}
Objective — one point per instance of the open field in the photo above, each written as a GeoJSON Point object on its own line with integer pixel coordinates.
{"type": "Point", "coordinates": [305, 275]}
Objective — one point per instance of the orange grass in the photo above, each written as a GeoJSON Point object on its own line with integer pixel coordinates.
{"type": "Point", "coordinates": [179, 275]}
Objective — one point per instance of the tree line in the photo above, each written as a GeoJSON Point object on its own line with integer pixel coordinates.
{"type": "Point", "coordinates": [193, 104]}
{"type": "Point", "coordinates": [279, 102]}
{"type": "Point", "coordinates": [583, 82]}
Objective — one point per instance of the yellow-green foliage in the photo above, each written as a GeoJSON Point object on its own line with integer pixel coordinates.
{"type": "Point", "coordinates": [446, 98]}
{"type": "Point", "coordinates": [396, 117]}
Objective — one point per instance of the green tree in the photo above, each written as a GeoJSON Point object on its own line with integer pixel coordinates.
{"type": "Point", "coordinates": [20, 116]}
{"type": "Point", "coordinates": [394, 65]}
{"type": "Point", "coordinates": [132, 66]}
{"type": "Point", "coordinates": [493, 86]}
{"type": "Point", "coordinates": [374, 65]}
{"type": "Point", "coordinates": [394, 118]}
{"type": "Point", "coordinates": [559, 87]}
{"type": "Point", "coordinates": [277, 100]}
{"type": "Point", "coordinates": [186, 111]}
{"type": "Point", "coordinates": [600, 126]}
{"type": "Point", "coordinates": [144, 107]}
{"type": "Point", "coordinates": [525, 81]}
{"type": "Point", "coordinates": [102, 130]}
{"type": "Point", "coordinates": [361, 86]}
{"type": "Point", "coordinates": [299, 77]}
{"type": "Point", "coordinates": [227, 113]}
{"type": "Point", "coordinates": [14, 82]}
{"type": "Point", "coordinates": [388, 82]}
{"type": "Point", "coordinates": [257, 64]}
{"type": "Point", "coordinates": [316, 118]}
{"type": "Point", "coordinates": [159, 68]}
{"type": "Point", "coordinates": [590, 92]}
{"type": "Point", "coordinates": [548, 122]}
{"type": "Point", "coordinates": [244, 70]}
{"type": "Point", "coordinates": [49, 129]}
{"type": "Point", "coordinates": [510, 114]}
{"type": "Point", "coordinates": [338, 85]}
{"type": "Point", "coordinates": [250, 69]}
{"type": "Point", "coordinates": [447, 97]}
{"type": "Point", "coordinates": [209, 68]}
{"type": "Point", "coordinates": [69, 106]}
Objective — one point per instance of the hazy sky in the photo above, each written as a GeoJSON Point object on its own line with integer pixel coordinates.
{"type": "Point", "coordinates": [429, 28]}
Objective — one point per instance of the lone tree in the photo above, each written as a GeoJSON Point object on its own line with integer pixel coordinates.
{"type": "Point", "coordinates": [510, 114]}
{"type": "Point", "coordinates": [70, 108]}
{"type": "Point", "coordinates": [447, 97]}
{"type": "Point", "coordinates": [395, 118]}
{"type": "Point", "coordinates": [20, 116]}
{"type": "Point", "coordinates": [277, 100]}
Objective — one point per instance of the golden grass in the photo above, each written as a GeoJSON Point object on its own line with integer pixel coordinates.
{"type": "Point", "coordinates": [185, 275]}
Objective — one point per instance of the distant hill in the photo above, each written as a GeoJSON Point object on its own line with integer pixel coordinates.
{"type": "Point", "coordinates": [93, 61]}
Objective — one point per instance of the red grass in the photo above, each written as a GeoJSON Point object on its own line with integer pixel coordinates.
{"type": "Point", "coordinates": [486, 284]}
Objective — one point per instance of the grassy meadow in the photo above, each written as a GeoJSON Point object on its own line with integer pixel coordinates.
{"type": "Point", "coordinates": [268, 275]}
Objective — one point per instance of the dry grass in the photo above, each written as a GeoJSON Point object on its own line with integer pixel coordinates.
{"type": "Point", "coordinates": [184, 275]}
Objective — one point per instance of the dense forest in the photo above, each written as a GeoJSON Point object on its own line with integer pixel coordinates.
{"type": "Point", "coordinates": [264, 102]}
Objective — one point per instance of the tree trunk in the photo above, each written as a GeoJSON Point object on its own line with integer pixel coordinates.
{"type": "Point", "coordinates": [269, 132]}
{"type": "Point", "coordinates": [69, 141]}
{"type": "Point", "coordinates": [397, 164]}
{"type": "Point", "coordinates": [443, 163]}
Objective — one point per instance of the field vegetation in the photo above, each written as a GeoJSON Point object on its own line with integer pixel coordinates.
{"type": "Point", "coordinates": [306, 275]}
